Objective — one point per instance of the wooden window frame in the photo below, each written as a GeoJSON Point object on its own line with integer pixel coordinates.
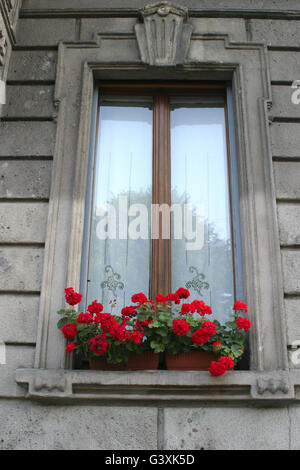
{"type": "Point", "coordinates": [161, 256]}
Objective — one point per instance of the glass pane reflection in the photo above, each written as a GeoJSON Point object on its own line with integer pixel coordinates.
{"type": "Point", "coordinates": [120, 267]}
{"type": "Point", "coordinates": [200, 183]}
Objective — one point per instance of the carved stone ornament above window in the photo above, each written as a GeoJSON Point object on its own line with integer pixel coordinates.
{"type": "Point", "coordinates": [164, 36]}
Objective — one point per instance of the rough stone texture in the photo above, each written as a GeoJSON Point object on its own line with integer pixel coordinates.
{"type": "Point", "coordinates": [32, 65]}
{"type": "Point", "coordinates": [287, 180]}
{"type": "Point", "coordinates": [30, 426]}
{"type": "Point", "coordinates": [21, 179]}
{"type": "Point", "coordinates": [289, 223]}
{"type": "Point", "coordinates": [213, 4]}
{"type": "Point", "coordinates": [292, 308]}
{"type": "Point", "coordinates": [283, 106]}
{"type": "Point", "coordinates": [276, 32]}
{"type": "Point", "coordinates": [34, 138]}
{"type": "Point", "coordinates": [284, 65]}
{"type": "Point", "coordinates": [234, 27]}
{"type": "Point", "coordinates": [20, 269]}
{"type": "Point", "coordinates": [285, 138]}
{"type": "Point", "coordinates": [91, 26]}
{"type": "Point", "coordinates": [48, 33]}
{"type": "Point", "coordinates": [291, 271]}
{"type": "Point", "coordinates": [29, 101]}
{"type": "Point", "coordinates": [23, 223]}
{"type": "Point", "coordinates": [16, 356]}
{"type": "Point", "coordinates": [226, 428]}
{"type": "Point", "coordinates": [18, 317]}
{"type": "Point", "coordinates": [294, 414]}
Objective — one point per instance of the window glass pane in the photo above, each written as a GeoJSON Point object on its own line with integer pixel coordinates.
{"type": "Point", "coordinates": [119, 265]}
{"type": "Point", "coordinates": [202, 258]}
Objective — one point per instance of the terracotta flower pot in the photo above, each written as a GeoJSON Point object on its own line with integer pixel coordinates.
{"type": "Point", "coordinates": [193, 360]}
{"type": "Point", "coordinates": [144, 361]}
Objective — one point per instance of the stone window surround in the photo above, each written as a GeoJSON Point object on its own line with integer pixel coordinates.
{"type": "Point", "coordinates": [211, 57]}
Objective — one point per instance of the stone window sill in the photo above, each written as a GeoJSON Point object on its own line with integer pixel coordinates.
{"type": "Point", "coordinates": [158, 387]}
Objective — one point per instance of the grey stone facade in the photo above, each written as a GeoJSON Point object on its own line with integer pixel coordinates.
{"type": "Point", "coordinates": [44, 133]}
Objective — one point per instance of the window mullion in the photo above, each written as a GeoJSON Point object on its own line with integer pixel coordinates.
{"type": "Point", "coordinates": [161, 248]}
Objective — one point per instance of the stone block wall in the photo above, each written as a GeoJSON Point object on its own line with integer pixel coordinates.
{"type": "Point", "coordinates": [27, 140]}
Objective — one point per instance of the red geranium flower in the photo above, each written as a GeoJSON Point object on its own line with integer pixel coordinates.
{"type": "Point", "coordinates": [181, 327]}
{"type": "Point", "coordinates": [173, 298]}
{"type": "Point", "coordinates": [200, 337]}
{"type": "Point", "coordinates": [209, 328]}
{"type": "Point", "coordinates": [186, 308]}
{"type": "Point", "coordinates": [140, 298]}
{"type": "Point", "coordinates": [72, 297]}
{"type": "Point", "coordinates": [240, 306]}
{"type": "Point", "coordinates": [182, 293]}
{"type": "Point", "coordinates": [201, 307]}
{"type": "Point", "coordinates": [227, 361]}
{"type": "Point", "coordinates": [98, 345]}
{"type": "Point", "coordinates": [243, 324]}
{"type": "Point", "coordinates": [69, 330]}
{"type": "Point", "coordinates": [70, 347]}
{"type": "Point", "coordinates": [85, 318]}
{"type": "Point", "coordinates": [136, 336]}
{"type": "Point", "coordinates": [128, 311]}
{"type": "Point", "coordinates": [161, 299]}
{"type": "Point", "coordinates": [217, 368]}
{"type": "Point", "coordinates": [95, 307]}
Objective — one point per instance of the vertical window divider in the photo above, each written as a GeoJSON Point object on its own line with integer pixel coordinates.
{"type": "Point", "coordinates": [161, 279]}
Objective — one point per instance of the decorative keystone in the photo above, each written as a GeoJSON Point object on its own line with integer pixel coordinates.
{"type": "Point", "coordinates": [164, 36]}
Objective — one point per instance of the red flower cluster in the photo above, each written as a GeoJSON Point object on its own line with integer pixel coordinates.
{"type": "Point", "coordinates": [99, 344]}
{"type": "Point", "coordinates": [196, 306]}
{"type": "Point", "coordinates": [173, 298]}
{"type": "Point", "coordinates": [201, 307]}
{"type": "Point", "coordinates": [182, 293]}
{"type": "Point", "coordinates": [161, 299]}
{"type": "Point", "coordinates": [240, 306]}
{"type": "Point", "coordinates": [136, 336]}
{"type": "Point", "coordinates": [72, 297]}
{"type": "Point", "coordinates": [128, 312]}
{"type": "Point", "coordinates": [200, 337]}
{"type": "Point", "coordinates": [86, 318]}
{"type": "Point", "coordinates": [219, 367]}
{"type": "Point", "coordinates": [95, 307]}
{"type": "Point", "coordinates": [181, 327]}
{"type": "Point", "coordinates": [187, 308]}
{"type": "Point", "coordinates": [139, 298]}
{"type": "Point", "coordinates": [69, 330]}
{"type": "Point", "coordinates": [243, 324]}
{"type": "Point", "coordinates": [70, 347]}
{"type": "Point", "coordinates": [207, 330]}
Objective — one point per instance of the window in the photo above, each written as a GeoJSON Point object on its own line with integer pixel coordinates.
{"type": "Point", "coordinates": [163, 207]}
